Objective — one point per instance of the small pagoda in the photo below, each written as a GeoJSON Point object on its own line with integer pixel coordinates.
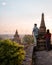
{"type": "Point", "coordinates": [16, 37]}
{"type": "Point", "coordinates": [42, 32]}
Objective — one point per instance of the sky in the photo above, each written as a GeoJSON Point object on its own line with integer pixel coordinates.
{"type": "Point", "coordinates": [22, 14]}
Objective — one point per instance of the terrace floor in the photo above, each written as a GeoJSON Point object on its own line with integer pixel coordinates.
{"type": "Point", "coordinates": [43, 58]}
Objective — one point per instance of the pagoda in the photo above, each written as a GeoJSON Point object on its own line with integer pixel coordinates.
{"type": "Point", "coordinates": [16, 37]}
{"type": "Point", "coordinates": [42, 32]}
{"type": "Point", "coordinates": [42, 29]}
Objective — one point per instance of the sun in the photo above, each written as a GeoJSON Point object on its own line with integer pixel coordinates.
{"type": "Point", "coordinates": [3, 3]}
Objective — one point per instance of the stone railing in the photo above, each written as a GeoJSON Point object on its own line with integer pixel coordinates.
{"type": "Point", "coordinates": [28, 56]}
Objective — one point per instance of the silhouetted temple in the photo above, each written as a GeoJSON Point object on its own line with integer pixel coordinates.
{"type": "Point", "coordinates": [16, 37]}
{"type": "Point", "coordinates": [42, 31]}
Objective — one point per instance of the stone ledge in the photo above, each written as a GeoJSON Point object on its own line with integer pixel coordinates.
{"type": "Point", "coordinates": [28, 56]}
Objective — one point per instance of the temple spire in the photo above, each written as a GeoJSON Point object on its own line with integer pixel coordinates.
{"type": "Point", "coordinates": [42, 31]}
{"type": "Point", "coordinates": [42, 21]}
{"type": "Point", "coordinates": [42, 28]}
{"type": "Point", "coordinates": [16, 34]}
{"type": "Point", "coordinates": [17, 37]}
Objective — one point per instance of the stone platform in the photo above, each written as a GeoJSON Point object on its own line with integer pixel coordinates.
{"type": "Point", "coordinates": [37, 57]}
{"type": "Point", "coordinates": [43, 58]}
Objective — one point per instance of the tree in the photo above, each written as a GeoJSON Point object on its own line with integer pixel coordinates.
{"type": "Point", "coordinates": [28, 39]}
{"type": "Point", "coordinates": [11, 53]}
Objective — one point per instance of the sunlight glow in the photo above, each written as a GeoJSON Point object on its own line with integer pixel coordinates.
{"type": "Point", "coordinates": [3, 3]}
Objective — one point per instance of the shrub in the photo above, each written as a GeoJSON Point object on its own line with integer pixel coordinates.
{"type": "Point", "coordinates": [28, 39]}
{"type": "Point", "coordinates": [11, 53]}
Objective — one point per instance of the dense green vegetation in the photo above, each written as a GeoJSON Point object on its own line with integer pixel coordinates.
{"type": "Point", "coordinates": [11, 53]}
{"type": "Point", "coordinates": [28, 39]}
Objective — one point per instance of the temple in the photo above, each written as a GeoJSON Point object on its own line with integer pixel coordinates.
{"type": "Point", "coordinates": [42, 31]}
{"type": "Point", "coordinates": [16, 37]}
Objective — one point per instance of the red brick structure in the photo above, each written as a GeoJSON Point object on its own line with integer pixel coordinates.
{"type": "Point", "coordinates": [42, 31]}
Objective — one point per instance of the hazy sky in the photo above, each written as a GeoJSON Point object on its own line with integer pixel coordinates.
{"type": "Point", "coordinates": [22, 14]}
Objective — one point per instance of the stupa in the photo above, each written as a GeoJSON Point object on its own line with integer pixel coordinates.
{"type": "Point", "coordinates": [16, 37]}
{"type": "Point", "coordinates": [42, 31]}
